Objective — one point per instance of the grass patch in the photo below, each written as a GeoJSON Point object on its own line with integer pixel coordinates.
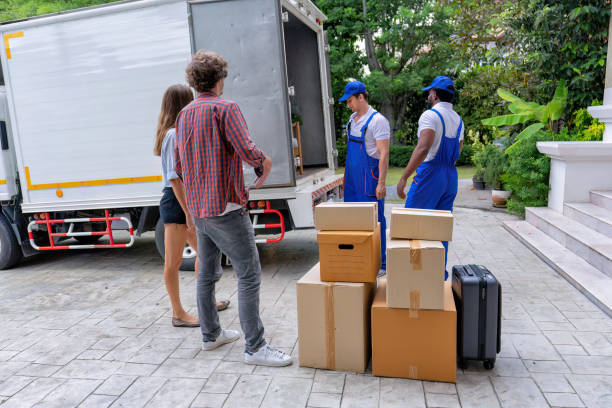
{"type": "Point", "coordinates": [395, 173]}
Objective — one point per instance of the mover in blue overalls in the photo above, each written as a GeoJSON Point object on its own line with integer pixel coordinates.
{"type": "Point", "coordinates": [367, 155]}
{"type": "Point", "coordinates": [440, 133]}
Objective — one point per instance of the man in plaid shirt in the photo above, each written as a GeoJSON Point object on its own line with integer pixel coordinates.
{"type": "Point", "coordinates": [212, 141]}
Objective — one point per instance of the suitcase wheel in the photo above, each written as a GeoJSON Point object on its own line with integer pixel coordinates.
{"type": "Point", "coordinates": [489, 364]}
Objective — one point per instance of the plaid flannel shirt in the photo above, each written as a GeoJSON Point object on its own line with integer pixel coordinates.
{"type": "Point", "coordinates": [212, 140]}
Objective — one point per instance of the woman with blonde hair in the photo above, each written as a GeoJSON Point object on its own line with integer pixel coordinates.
{"type": "Point", "coordinates": [172, 206]}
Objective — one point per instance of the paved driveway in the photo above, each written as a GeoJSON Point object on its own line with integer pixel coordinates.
{"type": "Point", "coordinates": [92, 329]}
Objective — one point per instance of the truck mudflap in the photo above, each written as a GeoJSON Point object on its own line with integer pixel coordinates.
{"type": "Point", "coordinates": [107, 219]}
{"type": "Point", "coordinates": [280, 225]}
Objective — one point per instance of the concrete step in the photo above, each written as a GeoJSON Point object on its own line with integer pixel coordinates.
{"type": "Point", "coordinates": [593, 216]}
{"type": "Point", "coordinates": [583, 276]}
{"type": "Point", "coordinates": [590, 245]}
{"type": "Point", "coordinates": [602, 199]}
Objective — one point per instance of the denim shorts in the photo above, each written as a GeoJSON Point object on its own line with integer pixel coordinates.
{"type": "Point", "coordinates": [170, 209]}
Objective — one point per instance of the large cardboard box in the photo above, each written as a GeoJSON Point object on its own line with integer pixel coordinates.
{"type": "Point", "coordinates": [415, 274]}
{"type": "Point", "coordinates": [418, 344]}
{"type": "Point", "coordinates": [346, 216]}
{"type": "Point", "coordinates": [333, 323]}
{"type": "Point", "coordinates": [431, 225]}
{"type": "Point", "coordinates": [349, 256]}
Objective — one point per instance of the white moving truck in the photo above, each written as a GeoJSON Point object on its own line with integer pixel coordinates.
{"type": "Point", "coordinates": [80, 93]}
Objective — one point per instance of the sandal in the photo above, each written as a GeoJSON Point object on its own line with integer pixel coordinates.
{"type": "Point", "coordinates": [222, 304]}
{"type": "Point", "coordinates": [176, 322]}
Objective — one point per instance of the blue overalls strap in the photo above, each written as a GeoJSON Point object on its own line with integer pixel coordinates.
{"type": "Point", "coordinates": [459, 129]}
{"type": "Point", "coordinates": [352, 138]}
{"type": "Point", "coordinates": [365, 127]}
{"type": "Point", "coordinates": [442, 119]}
{"type": "Point", "coordinates": [363, 130]}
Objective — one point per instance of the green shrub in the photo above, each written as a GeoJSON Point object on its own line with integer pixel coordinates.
{"type": "Point", "coordinates": [528, 170]}
{"type": "Point", "coordinates": [465, 159]}
{"type": "Point", "coordinates": [341, 154]}
{"type": "Point", "coordinates": [477, 97]}
{"type": "Point", "coordinates": [494, 161]}
{"type": "Point", "coordinates": [399, 156]}
{"type": "Point", "coordinates": [585, 127]}
{"type": "Point", "coordinates": [527, 174]}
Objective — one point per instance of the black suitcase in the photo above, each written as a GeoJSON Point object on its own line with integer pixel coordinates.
{"type": "Point", "coordinates": [478, 298]}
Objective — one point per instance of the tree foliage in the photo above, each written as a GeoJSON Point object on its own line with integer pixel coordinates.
{"type": "Point", "coordinates": [18, 9]}
{"type": "Point", "coordinates": [479, 31]}
{"type": "Point", "coordinates": [562, 40]}
{"type": "Point", "coordinates": [406, 45]}
{"type": "Point", "coordinates": [344, 24]}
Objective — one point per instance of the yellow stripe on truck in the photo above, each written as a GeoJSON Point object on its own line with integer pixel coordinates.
{"type": "Point", "coordinates": [7, 37]}
{"type": "Point", "coordinates": [2, 182]}
{"type": "Point", "coordinates": [88, 183]}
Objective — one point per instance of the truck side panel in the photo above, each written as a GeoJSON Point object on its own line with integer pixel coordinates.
{"type": "Point", "coordinates": [8, 176]}
{"type": "Point", "coordinates": [84, 96]}
{"type": "Point", "coordinates": [248, 34]}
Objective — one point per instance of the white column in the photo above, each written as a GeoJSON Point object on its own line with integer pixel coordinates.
{"type": "Point", "coordinates": [576, 169]}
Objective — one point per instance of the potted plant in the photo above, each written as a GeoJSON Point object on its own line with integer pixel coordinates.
{"type": "Point", "coordinates": [479, 162]}
{"type": "Point", "coordinates": [495, 167]}
{"type": "Point", "coordinates": [478, 179]}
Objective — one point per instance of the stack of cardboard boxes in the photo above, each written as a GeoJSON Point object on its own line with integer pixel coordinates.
{"type": "Point", "coordinates": [414, 322]}
{"type": "Point", "coordinates": [334, 297]}
{"type": "Point", "coordinates": [412, 316]}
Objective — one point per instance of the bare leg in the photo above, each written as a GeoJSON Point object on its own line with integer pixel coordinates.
{"type": "Point", "coordinates": [174, 242]}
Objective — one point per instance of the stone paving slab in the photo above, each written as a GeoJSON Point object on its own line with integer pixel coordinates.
{"type": "Point", "coordinates": [92, 329]}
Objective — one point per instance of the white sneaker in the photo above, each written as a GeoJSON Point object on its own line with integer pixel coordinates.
{"type": "Point", "coordinates": [268, 356]}
{"type": "Point", "coordinates": [226, 336]}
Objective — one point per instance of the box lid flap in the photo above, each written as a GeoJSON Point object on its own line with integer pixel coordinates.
{"type": "Point", "coordinates": [349, 204]}
{"type": "Point", "coordinates": [313, 277]}
{"type": "Point", "coordinates": [399, 244]}
{"type": "Point", "coordinates": [420, 211]}
{"type": "Point", "coordinates": [380, 297]}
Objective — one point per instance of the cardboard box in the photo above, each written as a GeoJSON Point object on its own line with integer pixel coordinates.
{"type": "Point", "coordinates": [418, 344]}
{"type": "Point", "coordinates": [415, 274]}
{"type": "Point", "coordinates": [333, 323]}
{"type": "Point", "coordinates": [431, 225]}
{"type": "Point", "coordinates": [349, 256]}
{"type": "Point", "coordinates": [346, 216]}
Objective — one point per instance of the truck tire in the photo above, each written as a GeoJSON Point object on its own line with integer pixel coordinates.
{"type": "Point", "coordinates": [10, 252]}
{"type": "Point", "coordinates": [189, 255]}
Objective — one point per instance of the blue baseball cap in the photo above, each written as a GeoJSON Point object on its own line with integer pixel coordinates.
{"type": "Point", "coordinates": [353, 88]}
{"type": "Point", "coordinates": [442, 82]}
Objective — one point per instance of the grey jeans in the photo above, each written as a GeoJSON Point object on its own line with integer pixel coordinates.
{"type": "Point", "coordinates": [233, 234]}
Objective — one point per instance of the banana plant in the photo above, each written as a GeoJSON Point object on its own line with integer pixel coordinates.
{"type": "Point", "coordinates": [525, 112]}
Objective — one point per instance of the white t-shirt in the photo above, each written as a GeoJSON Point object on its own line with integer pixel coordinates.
{"type": "Point", "coordinates": [430, 120]}
{"type": "Point", "coordinates": [378, 129]}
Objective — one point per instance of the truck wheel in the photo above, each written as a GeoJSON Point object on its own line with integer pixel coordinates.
{"type": "Point", "coordinates": [189, 255]}
{"type": "Point", "coordinates": [10, 252]}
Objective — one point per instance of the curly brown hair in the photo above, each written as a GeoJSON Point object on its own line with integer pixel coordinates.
{"type": "Point", "coordinates": [205, 70]}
